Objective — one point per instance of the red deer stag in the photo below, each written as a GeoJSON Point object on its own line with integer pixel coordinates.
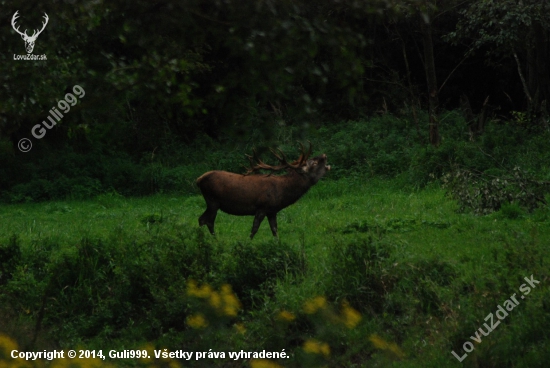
{"type": "Point", "coordinates": [260, 195]}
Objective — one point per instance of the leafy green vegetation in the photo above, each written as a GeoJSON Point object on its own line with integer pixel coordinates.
{"type": "Point", "coordinates": [115, 271]}
{"type": "Point", "coordinates": [382, 146]}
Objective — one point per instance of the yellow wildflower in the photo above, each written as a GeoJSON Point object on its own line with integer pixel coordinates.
{"type": "Point", "coordinates": [240, 328]}
{"type": "Point", "coordinates": [173, 364]}
{"type": "Point", "coordinates": [382, 344]}
{"type": "Point", "coordinates": [226, 289]}
{"type": "Point", "coordinates": [215, 300]}
{"type": "Point", "coordinates": [313, 305]}
{"type": "Point", "coordinates": [316, 347]}
{"type": "Point", "coordinates": [7, 344]}
{"type": "Point", "coordinates": [325, 349]}
{"type": "Point", "coordinates": [263, 363]}
{"type": "Point", "coordinates": [350, 316]}
{"type": "Point", "coordinates": [286, 316]}
{"type": "Point", "coordinates": [197, 321]}
{"type": "Point", "coordinates": [203, 292]}
{"type": "Point", "coordinates": [230, 301]}
{"type": "Point", "coordinates": [150, 348]}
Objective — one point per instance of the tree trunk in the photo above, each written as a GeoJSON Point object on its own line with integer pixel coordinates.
{"type": "Point", "coordinates": [431, 79]}
{"type": "Point", "coordinates": [483, 116]}
{"type": "Point", "coordinates": [522, 78]}
{"type": "Point", "coordinates": [468, 115]}
{"type": "Point", "coordinates": [542, 76]}
{"type": "Point", "coordinates": [413, 97]}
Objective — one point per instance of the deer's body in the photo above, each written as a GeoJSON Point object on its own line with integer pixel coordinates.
{"type": "Point", "coordinates": [258, 195]}
{"type": "Point", "coordinates": [242, 195]}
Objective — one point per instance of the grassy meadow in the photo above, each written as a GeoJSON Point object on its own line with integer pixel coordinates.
{"type": "Point", "coordinates": [422, 276]}
{"type": "Point", "coordinates": [383, 263]}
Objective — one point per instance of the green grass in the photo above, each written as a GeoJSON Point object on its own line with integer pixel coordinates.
{"type": "Point", "coordinates": [434, 274]}
{"type": "Point", "coordinates": [425, 222]}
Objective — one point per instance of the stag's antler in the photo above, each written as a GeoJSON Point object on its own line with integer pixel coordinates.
{"type": "Point", "coordinates": [24, 34]}
{"type": "Point", "coordinates": [46, 19]}
{"type": "Point", "coordinates": [257, 164]}
{"type": "Point", "coordinates": [303, 156]}
{"type": "Point", "coordinates": [15, 16]}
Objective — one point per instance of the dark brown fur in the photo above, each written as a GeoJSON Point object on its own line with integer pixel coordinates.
{"type": "Point", "coordinates": [257, 195]}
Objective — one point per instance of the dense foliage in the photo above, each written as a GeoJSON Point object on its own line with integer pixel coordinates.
{"type": "Point", "coordinates": [158, 73]}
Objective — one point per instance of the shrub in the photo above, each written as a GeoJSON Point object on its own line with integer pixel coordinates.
{"type": "Point", "coordinates": [10, 256]}
{"type": "Point", "coordinates": [358, 273]}
{"type": "Point", "coordinates": [253, 267]}
{"type": "Point", "coordinates": [484, 193]}
{"type": "Point", "coordinates": [511, 211]}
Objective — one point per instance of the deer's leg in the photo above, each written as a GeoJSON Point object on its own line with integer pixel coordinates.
{"type": "Point", "coordinates": [209, 216]}
{"type": "Point", "coordinates": [273, 223]}
{"type": "Point", "coordinates": [257, 221]}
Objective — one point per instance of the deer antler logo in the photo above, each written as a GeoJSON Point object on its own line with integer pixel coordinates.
{"type": "Point", "coordinates": [29, 40]}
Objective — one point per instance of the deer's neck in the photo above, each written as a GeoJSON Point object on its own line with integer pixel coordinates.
{"type": "Point", "coordinates": [295, 186]}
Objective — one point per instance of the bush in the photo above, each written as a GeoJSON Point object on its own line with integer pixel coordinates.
{"type": "Point", "coordinates": [10, 256]}
{"type": "Point", "coordinates": [100, 286]}
{"type": "Point", "coordinates": [384, 146]}
{"type": "Point", "coordinates": [359, 273]}
{"type": "Point", "coordinates": [484, 193]}
{"type": "Point", "coordinates": [252, 267]}
{"type": "Point", "coordinates": [511, 211]}
{"type": "Point", "coordinates": [378, 146]}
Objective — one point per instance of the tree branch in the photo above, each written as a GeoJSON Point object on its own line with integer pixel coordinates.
{"type": "Point", "coordinates": [456, 67]}
{"type": "Point", "coordinates": [522, 78]}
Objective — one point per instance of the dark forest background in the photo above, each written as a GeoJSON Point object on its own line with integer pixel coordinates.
{"type": "Point", "coordinates": [169, 82]}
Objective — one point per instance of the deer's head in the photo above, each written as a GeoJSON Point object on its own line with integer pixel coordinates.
{"type": "Point", "coordinates": [29, 40]}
